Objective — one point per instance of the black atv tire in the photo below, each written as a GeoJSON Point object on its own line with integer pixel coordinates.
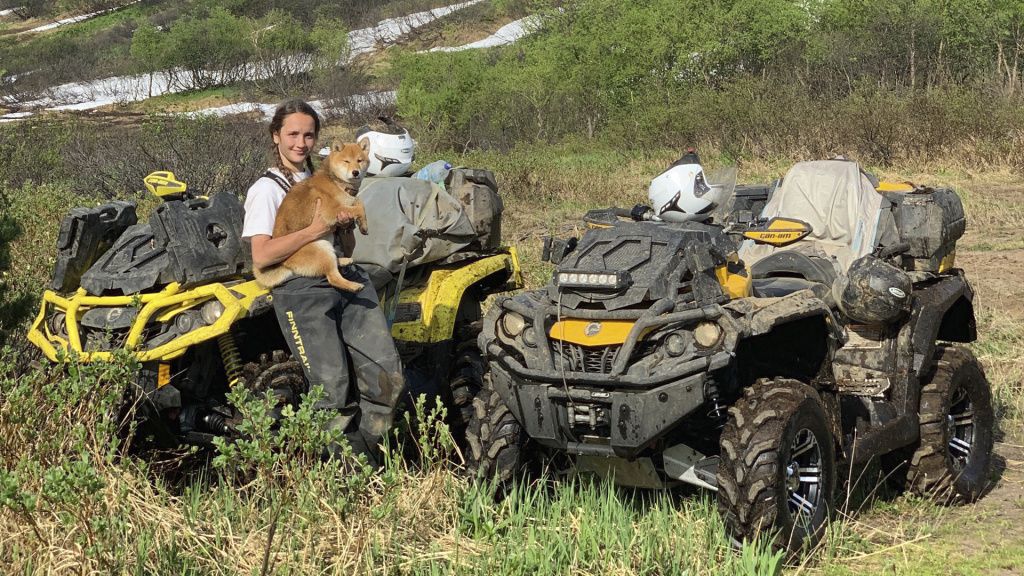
{"type": "Point", "coordinates": [952, 461]}
{"type": "Point", "coordinates": [466, 380]}
{"type": "Point", "coordinates": [275, 370]}
{"type": "Point", "coordinates": [498, 446]}
{"type": "Point", "coordinates": [775, 432]}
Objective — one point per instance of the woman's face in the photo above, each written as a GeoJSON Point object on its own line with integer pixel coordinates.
{"type": "Point", "coordinates": [296, 139]}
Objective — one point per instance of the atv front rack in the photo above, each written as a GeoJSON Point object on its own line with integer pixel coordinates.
{"type": "Point", "coordinates": [58, 329]}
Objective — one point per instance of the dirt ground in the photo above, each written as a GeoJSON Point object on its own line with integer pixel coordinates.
{"type": "Point", "coordinates": [997, 277]}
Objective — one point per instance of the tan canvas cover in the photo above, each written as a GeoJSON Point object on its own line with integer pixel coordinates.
{"type": "Point", "coordinates": [396, 208]}
{"type": "Point", "coordinates": [840, 204]}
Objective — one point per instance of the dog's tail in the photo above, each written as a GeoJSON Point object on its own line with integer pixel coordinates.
{"type": "Point", "coordinates": [272, 275]}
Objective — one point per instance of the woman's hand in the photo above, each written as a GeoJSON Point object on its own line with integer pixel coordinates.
{"type": "Point", "coordinates": [317, 227]}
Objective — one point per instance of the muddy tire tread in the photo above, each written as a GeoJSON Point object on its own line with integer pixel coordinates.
{"type": "Point", "coordinates": [750, 455]}
{"type": "Point", "coordinates": [930, 471]}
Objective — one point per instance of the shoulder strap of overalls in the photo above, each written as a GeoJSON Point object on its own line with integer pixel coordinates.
{"type": "Point", "coordinates": [277, 178]}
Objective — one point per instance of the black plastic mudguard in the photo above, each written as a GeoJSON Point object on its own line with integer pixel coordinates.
{"type": "Point", "coordinates": [191, 242]}
{"type": "Point", "coordinates": [133, 264]}
{"type": "Point", "coordinates": [203, 238]}
{"type": "Point", "coordinates": [85, 234]}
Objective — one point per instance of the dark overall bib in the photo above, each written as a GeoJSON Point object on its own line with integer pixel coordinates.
{"type": "Point", "coordinates": [337, 336]}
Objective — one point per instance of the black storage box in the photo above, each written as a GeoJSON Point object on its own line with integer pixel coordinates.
{"type": "Point", "coordinates": [930, 220]}
{"type": "Point", "coordinates": [192, 242]}
{"type": "Point", "coordinates": [203, 238]}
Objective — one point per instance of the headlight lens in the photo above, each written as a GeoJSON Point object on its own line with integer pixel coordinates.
{"type": "Point", "coordinates": [186, 322]}
{"type": "Point", "coordinates": [707, 334]}
{"type": "Point", "coordinates": [675, 344]}
{"type": "Point", "coordinates": [211, 311]}
{"type": "Point", "coordinates": [512, 324]}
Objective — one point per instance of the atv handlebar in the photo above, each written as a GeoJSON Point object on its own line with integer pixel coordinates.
{"type": "Point", "coordinates": [884, 252]}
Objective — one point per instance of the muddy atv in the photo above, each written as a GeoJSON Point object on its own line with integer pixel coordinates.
{"type": "Point", "coordinates": [759, 359]}
{"type": "Point", "coordinates": [177, 292]}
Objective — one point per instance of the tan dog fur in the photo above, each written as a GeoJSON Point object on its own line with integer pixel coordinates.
{"type": "Point", "coordinates": [335, 184]}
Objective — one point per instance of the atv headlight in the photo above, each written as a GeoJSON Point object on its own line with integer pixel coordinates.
{"type": "Point", "coordinates": [707, 334]}
{"type": "Point", "coordinates": [593, 280]}
{"type": "Point", "coordinates": [211, 311]}
{"type": "Point", "coordinates": [675, 344]}
{"type": "Point", "coordinates": [188, 321]}
{"type": "Point", "coordinates": [512, 324]}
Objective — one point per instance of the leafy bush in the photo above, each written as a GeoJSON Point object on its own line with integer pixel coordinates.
{"type": "Point", "coordinates": [107, 161]}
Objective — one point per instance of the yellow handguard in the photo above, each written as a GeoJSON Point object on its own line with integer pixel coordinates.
{"type": "Point", "coordinates": [164, 185]}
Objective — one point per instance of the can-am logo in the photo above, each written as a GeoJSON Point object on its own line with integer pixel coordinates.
{"type": "Point", "coordinates": [592, 329]}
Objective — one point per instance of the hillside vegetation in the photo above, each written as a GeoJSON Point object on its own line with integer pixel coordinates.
{"type": "Point", "coordinates": [884, 81]}
{"type": "Point", "coordinates": [581, 114]}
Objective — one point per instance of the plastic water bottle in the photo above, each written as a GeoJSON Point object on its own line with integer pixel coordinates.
{"type": "Point", "coordinates": [434, 172]}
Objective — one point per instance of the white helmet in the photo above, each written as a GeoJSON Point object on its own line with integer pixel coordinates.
{"type": "Point", "coordinates": [392, 149]}
{"type": "Point", "coordinates": [681, 193]}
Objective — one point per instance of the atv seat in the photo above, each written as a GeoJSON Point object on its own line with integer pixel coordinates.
{"type": "Point", "coordinates": [782, 286]}
{"type": "Point", "coordinates": [847, 216]}
{"type": "Point", "coordinates": [792, 264]}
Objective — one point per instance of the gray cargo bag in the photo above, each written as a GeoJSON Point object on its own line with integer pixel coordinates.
{"type": "Point", "coordinates": [416, 220]}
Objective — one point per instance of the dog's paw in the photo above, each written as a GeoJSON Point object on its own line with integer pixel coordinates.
{"type": "Point", "coordinates": [345, 261]}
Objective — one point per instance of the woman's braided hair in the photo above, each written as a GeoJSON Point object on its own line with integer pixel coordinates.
{"type": "Point", "coordinates": [284, 110]}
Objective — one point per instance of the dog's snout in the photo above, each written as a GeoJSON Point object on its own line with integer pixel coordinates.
{"type": "Point", "coordinates": [355, 173]}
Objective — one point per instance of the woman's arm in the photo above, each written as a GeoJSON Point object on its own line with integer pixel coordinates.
{"type": "Point", "coordinates": [267, 250]}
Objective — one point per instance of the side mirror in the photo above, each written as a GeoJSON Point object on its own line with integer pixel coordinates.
{"type": "Point", "coordinates": [778, 232]}
{"type": "Point", "coordinates": [163, 184]}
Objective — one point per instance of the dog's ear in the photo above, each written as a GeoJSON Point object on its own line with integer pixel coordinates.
{"type": "Point", "coordinates": [364, 143]}
{"type": "Point", "coordinates": [337, 146]}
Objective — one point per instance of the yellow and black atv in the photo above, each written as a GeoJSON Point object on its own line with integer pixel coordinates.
{"type": "Point", "coordinates": [758, 359]}
{"type": "Point", "coordinates": [177, 292]}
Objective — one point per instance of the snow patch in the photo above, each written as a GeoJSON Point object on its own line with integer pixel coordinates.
{"type": "Point", "coordinates": [14, 116]}
{"type": "Point", "coordinates": [9, 11]}
{"type": "Point", "coordinates": [357, 102]}
{"type": "Point", "coordinates": [507, 34]}
{"type": "Point", "coordinates": [134, 88]}
{"type": "Point", "coordinates": [366, 40]}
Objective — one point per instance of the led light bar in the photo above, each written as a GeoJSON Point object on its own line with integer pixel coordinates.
{"type": "Point", "coordinates": [593, 280]}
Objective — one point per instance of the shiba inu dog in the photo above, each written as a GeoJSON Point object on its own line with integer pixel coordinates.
{"type": "Point", "coordinates": [335, 184]}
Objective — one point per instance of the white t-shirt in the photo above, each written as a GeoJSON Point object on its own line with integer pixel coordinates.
{"type": "Point", "coordinates": [261, 203]}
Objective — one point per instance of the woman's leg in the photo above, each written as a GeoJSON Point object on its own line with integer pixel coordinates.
{"type": "Point", "coordinates": [309, 313]}
{"type": "Point", "coordinates": [375, 361]}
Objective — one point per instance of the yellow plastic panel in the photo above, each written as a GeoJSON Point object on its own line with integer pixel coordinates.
{"type": "Point", "coordinates": [591, 332]}
{"type": "Point", "coordinates": [439, 300]}
{"type": "Point", "coordinates": [735, 285]}
{"type": "Point", "coordinates": [891, 186]}
{"type": "Point", "coordinates": [948, 262]}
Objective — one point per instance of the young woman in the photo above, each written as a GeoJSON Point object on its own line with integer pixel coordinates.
{"type": "Point", "coordinates": [333, 334]}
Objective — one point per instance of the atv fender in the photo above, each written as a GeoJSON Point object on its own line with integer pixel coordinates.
{"type": "Point", "coordinates": [941, 311]}
{"type": "Point", "coordinates": [762, 315]}
{"type": "Point", "coordinates": [793, 336]}
{"type": "Point", "coordinates": [428, 315]}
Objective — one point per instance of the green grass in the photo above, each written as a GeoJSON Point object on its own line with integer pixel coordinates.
{"type": "Point", "coordinates": [104, 21]}
{"type": "Point", "coordinates": [184, 99]}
